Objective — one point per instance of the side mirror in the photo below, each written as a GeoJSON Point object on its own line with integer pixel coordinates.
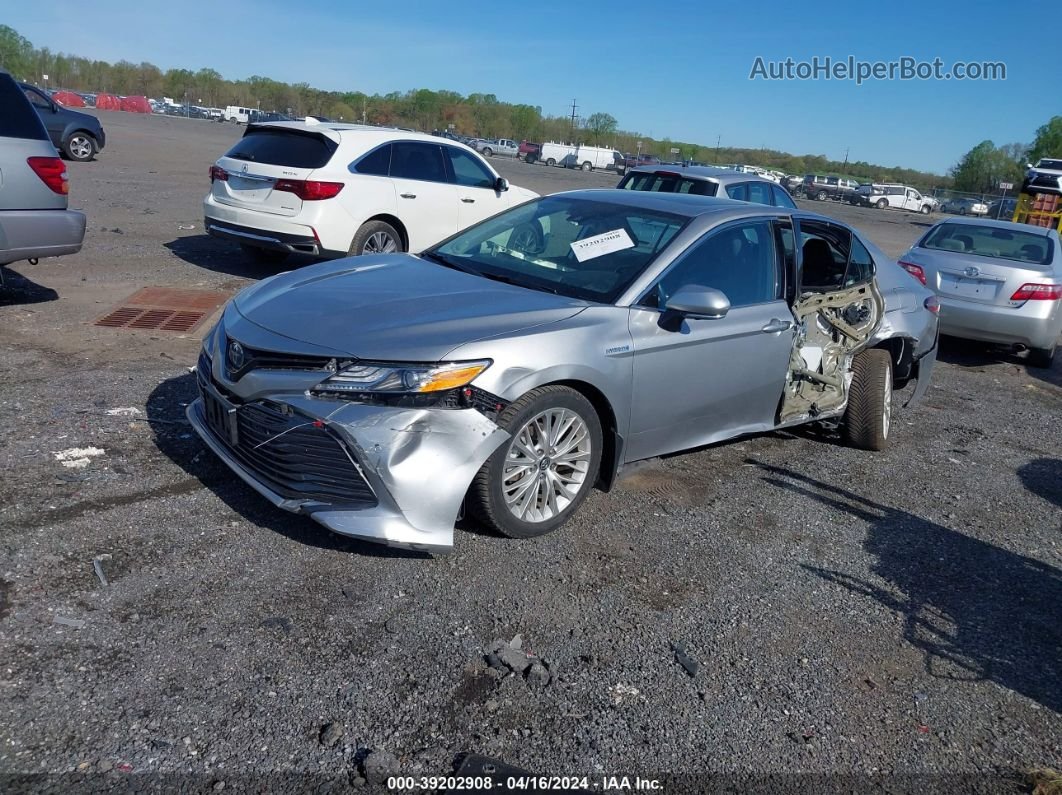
{"type": "Point", "coordinates": [1029, 165]}
{"type": "Point", "coordinates": [501, 184]}
{"type": "Point", "coordinates": [693, 300]}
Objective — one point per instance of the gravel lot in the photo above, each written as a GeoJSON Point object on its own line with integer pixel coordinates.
{"type": "Point", "coordinates": [857, 620]}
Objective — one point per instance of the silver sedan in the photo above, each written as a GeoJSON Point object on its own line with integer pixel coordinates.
{"type": "Point", "coordinates": [517, 365]}
{"type": "Point", "coordinates": [997, 281]}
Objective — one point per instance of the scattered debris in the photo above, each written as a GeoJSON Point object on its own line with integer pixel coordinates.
{"type": "Point", "coordinates": [97, 566]}
{"type": "Point", "coordinates": [331, 734]}
{"type": "Point", "coordinates": [379, 766]}
{"type": "Point", "coordinates": [683, 659]}
{"type": "Point", "coordinates": [186, 226]}
{"type": "Point", "coordinates": [77, 457]}
{"type": "Point", "coordinates": [621, 692]}
{"type": "Point", "coordinates": [277, 622]}
{"type": "Point", "coordinates": [510, 657]}
{"type": "Point", "coordinates": [123, 412]}
{"type": "Point", "coordinates": [76, 623]}
{"type": "Point", "coordinates": [117, 231]}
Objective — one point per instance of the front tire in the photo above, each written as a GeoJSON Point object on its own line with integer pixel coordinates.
{"type": "Point", "coordinates": [925, 209]}
{"type": "Point", "coordinates": [80, 146]}
{"type": "Point", "coordinates": [263, 256]}
{"type": "Point", "coordinates": [588, 166]}
{"type": "Point", "coordinates": [1041, 357]}
{"type": "Point", "coordinates": [533, 484]}
{"type": "Point", "coordinates": [376, 237]}
{"type": "Point", "coordinates": [882, 204]}
{"type": "Point", "coordinates": [868, 418]}
{"type": "Point", "coordinates": [551, 162]}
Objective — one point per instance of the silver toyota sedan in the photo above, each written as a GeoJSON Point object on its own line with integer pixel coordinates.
{"type": "Point", "coordinates": [997, 281]}
{"type": "Point", "coordinates": [517, 365]}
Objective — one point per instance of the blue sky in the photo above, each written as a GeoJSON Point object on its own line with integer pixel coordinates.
{"type": "Point", "coordinates": [679, 70]}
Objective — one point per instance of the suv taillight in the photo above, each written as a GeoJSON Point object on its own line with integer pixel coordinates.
{"type": "Point", "coordinates": [217, 172]}
{"type": "Point", "coordinates": [309, 190]}
{"type": "Point", "coordinates": [914, 270]}
{"type": "Point", "coordinates": [52, 172]}
{"type": "Point", "coordinates": [1037, 292]}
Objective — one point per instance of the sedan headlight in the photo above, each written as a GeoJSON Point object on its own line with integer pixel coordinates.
{"type": "Point", "coordinates": [402, 378]}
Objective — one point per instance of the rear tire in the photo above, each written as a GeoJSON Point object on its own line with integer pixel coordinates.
{"type": "Point", "coordinates": [551, 162]}
{"type": "Point", "coordinates": [80, 146]}
{"type": "Point", "coordinates": [263, 256]}
{"type": "Point", "coordinates": [488, 152]}
{"type": "Point", "coordinates": [821, 195]}
{"type": "Point", "coordinates": [530, 159]}
{"type": "Point", "coordinates": [376, 237]}
{"type": "Point", "coordinates": [1041, 357]}
{"type": "Point", "coordinates": [868, 418]}
{"type": "Point", "coordinates": [539, 507]}
{"type": "Point", "coordinates": [588, 166]}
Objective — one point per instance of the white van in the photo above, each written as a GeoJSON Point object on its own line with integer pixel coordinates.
{"type": "Point", "coordinates": [590, 157]}
{"type": "Point", "coordinates": [554, 154]}
{"type": "Point", "coordinates": [237, 114]}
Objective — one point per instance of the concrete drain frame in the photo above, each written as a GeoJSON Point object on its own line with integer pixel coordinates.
{"type": "Point", "coordinates": [163, 309]}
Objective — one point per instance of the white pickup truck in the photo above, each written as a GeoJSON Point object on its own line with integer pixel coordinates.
{"type": "Point", "coordinates": [896, 197]}
{"type": "Point", "coordinates": [499, 146]}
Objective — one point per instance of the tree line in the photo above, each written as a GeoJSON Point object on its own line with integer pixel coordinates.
{"type": "Point", "coordinates": [481, 115]}
{"type": "Point", "coordinates": [986, 165]}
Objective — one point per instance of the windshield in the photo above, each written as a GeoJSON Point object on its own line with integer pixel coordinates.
{"type": "Point", "coordinates": [990, 241]}
{"type": "Point", "coordinates": [667, 182]}
{"type": "Point", "coordinates": [1054, 165]}
{"type": "Point", "coordinates": [578, 248]}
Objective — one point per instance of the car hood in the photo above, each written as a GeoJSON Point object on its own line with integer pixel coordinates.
{"type": "Point", "coordinates": [395, 307]}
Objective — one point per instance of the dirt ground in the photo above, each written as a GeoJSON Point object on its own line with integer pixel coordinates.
{"type": "Point", "coordinates": [857, 619]}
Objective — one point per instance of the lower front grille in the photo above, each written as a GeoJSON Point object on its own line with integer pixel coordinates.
{"type": "Point", "coordinates": [295, 457]}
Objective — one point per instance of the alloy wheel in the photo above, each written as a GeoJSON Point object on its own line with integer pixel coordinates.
{"type": "Point", "coordinates": [546, 465]}
{"type": "Point", "coordinates": [380, 243]}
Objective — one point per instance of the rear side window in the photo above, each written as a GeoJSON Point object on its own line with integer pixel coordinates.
{"type": "Point", "coordinates": [280, 147]}
{"type": "Point", "coordinates": [739, 191]}
{"type": "Point", "coordinates": [19, 119]}
{"type": "Point", "coordinates": [759, 192]}
{"type": "Point", "coordinates": [377, 162]}
{"type": "Point", "coordinates": [662, 182]}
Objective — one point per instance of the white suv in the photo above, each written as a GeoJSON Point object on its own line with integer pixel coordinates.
{"type": "Point", "coordinates": [897, 197]}
{"type": "Point", "coordinates": [338, 189]}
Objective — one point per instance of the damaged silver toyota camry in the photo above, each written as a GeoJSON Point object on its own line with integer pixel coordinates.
{"type": "Point", "coordinates": [519, 364]}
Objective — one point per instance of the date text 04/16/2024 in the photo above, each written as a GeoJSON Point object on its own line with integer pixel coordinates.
{"type": "Point", "coordinates": [523, 783]}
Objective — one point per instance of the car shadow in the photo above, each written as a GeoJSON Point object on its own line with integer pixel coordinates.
{"type": "Point", "coordinates": [178, 442]}
{"type": "Point", "coordinates": [977, 612]}
{"type": "Point", "coordinates": [208, 252]}
{"type": "Point", "coordinates": [1043, 477]}
{"type": "Point", "coordinates": [971, 353]}
{"type": "Point", "coordinates": [17, 290]}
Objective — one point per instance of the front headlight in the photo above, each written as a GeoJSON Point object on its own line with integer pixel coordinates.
{"type": "Point", "coordinates": [402, 378]}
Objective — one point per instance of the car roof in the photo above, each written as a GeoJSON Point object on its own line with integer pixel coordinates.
{"type": "Point", "coordinates": [1009, 225]}
{"type": "Point", "coordinates": [360, 133]}
{"type": "Point", "coordinates": [689, 205]}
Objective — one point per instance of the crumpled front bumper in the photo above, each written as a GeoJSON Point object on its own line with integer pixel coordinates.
{"type": "Point", "coordinates": [417, 462]}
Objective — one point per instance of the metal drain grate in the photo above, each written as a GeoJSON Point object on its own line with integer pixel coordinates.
{"type": "Point", "coordinates": [163, 309]}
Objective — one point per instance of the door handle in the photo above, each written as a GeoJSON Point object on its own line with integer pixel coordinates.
{"type": "Point", "coordinates": [466, 200]}
{"type": "Point", "coordinates": [776, 326]}
{"type": "Point", "coordinates": [408, 195]}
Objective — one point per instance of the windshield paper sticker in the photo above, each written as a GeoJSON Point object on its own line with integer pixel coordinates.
{"type": "Point", "coordinates": [599, 245]}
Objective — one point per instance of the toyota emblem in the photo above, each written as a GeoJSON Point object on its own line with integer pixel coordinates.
{"type": "Point", "coordinates": [972, 271]}
{"type": "Point", "coordinates": [235, 355]}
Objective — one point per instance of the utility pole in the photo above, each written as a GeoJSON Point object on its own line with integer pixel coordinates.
{"type": "Point", "coordinates": [845, 167]}
{"type": "Point", "coordinates": [718, 140]}
{"type": "Point", "coordinates": [574, 109]}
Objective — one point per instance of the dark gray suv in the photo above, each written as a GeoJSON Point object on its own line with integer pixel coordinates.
{"type": "Point", "coordinates": [79, 136]}
{"type": "Point", "coordinates": [34, 219]}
